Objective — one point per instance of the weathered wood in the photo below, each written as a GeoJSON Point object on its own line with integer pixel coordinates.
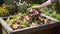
{"type": "Point", "coordinates": [0, 29]}
{"type": "Point", "coordinates": [46, 31]}
{"type": "Point", "coordinates": [28, 30]}
{"type": "Point", "coordinates": [58, 29]}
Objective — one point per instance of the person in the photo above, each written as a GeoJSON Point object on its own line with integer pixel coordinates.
{"type": "Point", "coordinates": [48, 3]}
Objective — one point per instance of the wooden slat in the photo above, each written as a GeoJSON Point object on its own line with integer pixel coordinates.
{"type": "Point", "coordinates": [0, 29]}
{"type": "Point", "coordinates": [45, 31]}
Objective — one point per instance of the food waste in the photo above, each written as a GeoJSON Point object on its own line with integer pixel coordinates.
{"type": "Point", "coordinates": [30, 19]}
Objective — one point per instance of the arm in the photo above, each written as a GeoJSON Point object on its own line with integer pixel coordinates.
{"type": "Point", "coordinates": [47, 3]}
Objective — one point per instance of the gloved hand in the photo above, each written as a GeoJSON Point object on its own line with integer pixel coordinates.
{"type": "Point", "coordinates": [38, 6]}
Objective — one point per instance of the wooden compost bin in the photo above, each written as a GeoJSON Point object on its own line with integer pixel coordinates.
{"type": "Point", "coordinates": [49, 28]}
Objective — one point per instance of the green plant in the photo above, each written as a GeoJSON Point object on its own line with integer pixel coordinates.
{"type": "Point", "coordinates": [12, 9]}
{"type": "Point", "coordinates": [51, 12]}
{"type": "Point", "coordinates": [4, 12]}
{"type": "Point", "coordinates": [9, 6]}
{"type": "Point", "coordinates": [22, 6]}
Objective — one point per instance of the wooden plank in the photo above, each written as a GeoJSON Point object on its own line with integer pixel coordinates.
{"type": "Point", "coordinates": [45, 31]}
{"type": "Point", "coordinates": [0, 29]}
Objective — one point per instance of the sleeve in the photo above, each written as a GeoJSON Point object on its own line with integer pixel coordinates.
{"type": "Point", "coordinates": [53, 1]}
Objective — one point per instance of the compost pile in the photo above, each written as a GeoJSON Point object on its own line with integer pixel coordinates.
{"type": "Point", "coordinates": [30, 19]}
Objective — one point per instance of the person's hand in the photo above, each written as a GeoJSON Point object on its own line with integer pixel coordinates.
{"type": "Point", "coordinates": [29, 9]}
{"type": "Point", "coordinates": [35, 6]}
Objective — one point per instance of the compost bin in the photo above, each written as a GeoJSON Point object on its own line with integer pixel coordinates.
{"type": "Point", "coordinates": [8, 29]}
{"type": "Point", "coordinates": [28, 30]}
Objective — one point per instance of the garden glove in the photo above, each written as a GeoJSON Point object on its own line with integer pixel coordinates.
{"type": "Point", "coordinates": [35, 6]}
